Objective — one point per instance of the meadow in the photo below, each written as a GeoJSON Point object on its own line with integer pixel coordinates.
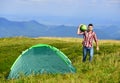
{"type": "Point", "coordinates": [105, 67]}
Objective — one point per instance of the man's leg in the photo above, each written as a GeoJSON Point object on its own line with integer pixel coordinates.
{"type": "Point", "coordinates": [84, 54]}
{"type": "Point", "coordinates": [91, 50]}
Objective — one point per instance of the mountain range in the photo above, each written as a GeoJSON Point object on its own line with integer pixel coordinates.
{"type": "Point", "coordinates": [33, 28]}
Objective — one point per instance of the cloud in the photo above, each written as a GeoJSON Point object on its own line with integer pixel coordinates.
{"type": "Point", "coordinates": [58, 7]}
{"type": "Point", "coordinates": [104, 3]}
{"type": "Point", "coordinates": [51, 7]}
{"type": "Point", "coordinates": [50, 1]}
{"type": "Point", "coordinates": [114, 1]}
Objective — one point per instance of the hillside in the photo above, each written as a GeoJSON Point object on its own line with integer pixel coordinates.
{"type": "Point", "coordinates": [103, 69]}
{"type": "Point", "coordinates": [35, 29]}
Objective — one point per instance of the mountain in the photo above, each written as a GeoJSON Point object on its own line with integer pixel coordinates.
{"type": "Point", "coordinates": [13, 28]}
{"type": "Point", "coordinates": [108, 32]}
{"type": "Point", "coordinates": [34, 29]}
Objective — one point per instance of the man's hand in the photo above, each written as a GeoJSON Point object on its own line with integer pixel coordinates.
{"type": "Point", "coordinates": [78, 31]}
{"type": "Point", "coordinates": [97, 48]}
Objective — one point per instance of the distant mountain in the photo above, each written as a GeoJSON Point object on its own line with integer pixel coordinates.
{"type": "Point", "coordinates": [108, 32]}
{"type": "Point", "coordinates": [13, 28]}
{"type": "Point", "coordinates": [34, 29]}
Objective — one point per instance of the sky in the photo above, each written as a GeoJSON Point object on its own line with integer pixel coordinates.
{"type": "Point", "coordinates": [67, 12]}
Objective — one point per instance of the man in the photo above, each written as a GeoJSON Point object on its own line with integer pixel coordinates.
{"type": "Point", "coordinates": [88, 36]}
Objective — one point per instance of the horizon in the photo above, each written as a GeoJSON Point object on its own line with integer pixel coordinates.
{"type": "Point", "coordinates": [62, 12]}
{"type": "Point", "coordinates": [98, 25]}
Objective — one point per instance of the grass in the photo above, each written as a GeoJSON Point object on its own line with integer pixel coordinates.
{"type": "Point", "coordinates": [105, 67]}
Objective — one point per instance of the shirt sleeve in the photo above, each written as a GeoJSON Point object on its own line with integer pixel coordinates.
{"type": "Point", "coordinates": [82, 33]}
{"type": "Point", "coordinates": [85, 32]}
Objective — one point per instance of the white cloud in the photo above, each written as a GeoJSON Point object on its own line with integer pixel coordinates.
{"type": "Point", "coordinates": [57, 7]}
{"type": "Point", "coordinates": [51, 7]}
{"type": "Point", "coordinates": [114, 1]}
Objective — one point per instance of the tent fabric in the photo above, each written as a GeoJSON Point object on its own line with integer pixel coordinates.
{"type": "Point", "coordinates": [41, 59]}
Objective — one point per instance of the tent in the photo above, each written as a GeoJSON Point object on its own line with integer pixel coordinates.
{"type": "Point", "coordinates": [40, 59]}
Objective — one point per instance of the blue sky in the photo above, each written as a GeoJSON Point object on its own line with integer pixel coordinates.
{"type": "Point", "coordinates": [69, 12]}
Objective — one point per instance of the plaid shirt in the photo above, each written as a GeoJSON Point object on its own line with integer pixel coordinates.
{"type": "Point", "coordinates": [88, 38]}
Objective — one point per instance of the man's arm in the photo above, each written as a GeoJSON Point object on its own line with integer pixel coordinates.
{"type": "Point", "coordinates": [79, 32]}
{"type": "Point", "coordinates": [96, 41]}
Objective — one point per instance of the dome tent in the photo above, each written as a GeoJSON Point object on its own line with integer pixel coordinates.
{"type": "Point", "coordinates": [41, 59]}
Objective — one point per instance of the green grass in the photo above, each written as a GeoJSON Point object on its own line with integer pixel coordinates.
{"type": "Point", "coordinates": [105, 67]}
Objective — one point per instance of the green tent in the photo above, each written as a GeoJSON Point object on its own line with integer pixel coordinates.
{"type": "Point", "coordinates": [41, 59]}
